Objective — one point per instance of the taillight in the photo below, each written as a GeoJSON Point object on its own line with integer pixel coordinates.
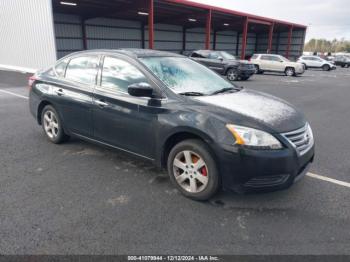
{"type": "Point", "coordinates": [31, 81]}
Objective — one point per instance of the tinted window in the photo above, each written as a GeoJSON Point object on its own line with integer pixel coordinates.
{"type": "Point", "coordinates": [83, 69]}
{"type": "Point", "coordinates": [275, 58]}
{"type": "Point", "coordinates": [118, 74]}
{"type": "Point", "coordinates": [60, 68]}
{"type": "Point", "coordinates": [214, 55]}
{"type": "Point", "coordinates": [265, 57]}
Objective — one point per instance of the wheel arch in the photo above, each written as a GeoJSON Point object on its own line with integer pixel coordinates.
{"type": "Point", "coordinates": [230, 67]}
{"type": "Point", "coordinates": [180, 135]}
{"type": "Point", "coordinates": [40, 110]}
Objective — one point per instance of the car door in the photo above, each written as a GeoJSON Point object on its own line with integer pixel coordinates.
{"type": "Point", "coordinates": [265, 63]}
{"type": "Point", "coordinates": [306, 60]}
{"type": "Point", "coordinates": [119, 119]}
{"type": "Point", "coordinates": [216, 62]}
{"type": "Point", "coordinates": [277, 64]}
{"type": "Point", "coordinates": [74, 91]}
{"type": "Point", "coordinates": [313, 62]}
{"type": "Point", "coordinates": [318, 62]}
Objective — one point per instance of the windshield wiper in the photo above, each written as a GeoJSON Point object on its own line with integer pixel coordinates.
{"type": "Point", "coordinates": [226, 89]}
{"type": "Point", "coordinates": [191, 94]}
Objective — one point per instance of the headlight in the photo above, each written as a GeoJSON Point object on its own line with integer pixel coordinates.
{"type": "Point", "coordinates": [253, 138]}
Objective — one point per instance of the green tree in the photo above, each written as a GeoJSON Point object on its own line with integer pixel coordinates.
{"type": "Point", "coordinates": [323, 45]}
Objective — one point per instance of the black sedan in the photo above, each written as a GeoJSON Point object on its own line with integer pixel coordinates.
{"type": "Point", "coordinates": [176, 113]}
{"type": "Point", "coordinates": [225, 64]}
{"type": "Point", "coordinates": [342, 60]}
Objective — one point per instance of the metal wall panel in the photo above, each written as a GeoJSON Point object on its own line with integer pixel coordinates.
{"type": "Point", "coordinates": [166, 37]}
{"type": "Point", "coordinates": [27, 33]}
{"type": "Point", "coordinates": [68, 34]}
{"type": "Point", "coordinates": [226, 41]}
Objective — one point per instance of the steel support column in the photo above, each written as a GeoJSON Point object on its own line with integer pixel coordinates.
{"type": "Point", "coordinates": [244, 37]}
{"type": "Point", "coordinates": [184, 38]}
{"type": "Point", "coordinates": [290, 33]}
{"type": "Point", "coordinates": [214, 40]}
{"type": "Point", "coordinates": [150, 24]}
{"type": "Point", "coordinates": [269, 47]}
{"type": "Point", "coordinates": [142, 35]}
{"type": "Point", "coordinates": [83, 31]}
{"type": "Point", "coordinates": [208, 30]}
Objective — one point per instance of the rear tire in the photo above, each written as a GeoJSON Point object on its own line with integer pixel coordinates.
{"type": "Point", "coordinates": [52, 125]}
{"type": "Point", "coordinates": [193, 170]}
{"type": "Point", "coordinates": [326, 68]}
{"type": "Point", "coordinates": [290, 71]}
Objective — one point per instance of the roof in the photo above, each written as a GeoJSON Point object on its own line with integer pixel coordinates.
{"type": "Point", "coordinates": [132, 52]}
{"type": "Point", "coordinates": [233, 12]}
{"type": "Point", "coordinates": [175, 12]}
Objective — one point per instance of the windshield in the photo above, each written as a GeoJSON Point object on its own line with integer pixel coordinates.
{"type": "Point", "coordinates": [183, 75]}
{"type": "Point", "coordinates": [284, 59]}
{"type": "Point", "coordinates": [226, 55]}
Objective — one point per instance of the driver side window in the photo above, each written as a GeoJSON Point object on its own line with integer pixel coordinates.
{"type": "Point", "coordinates": [118, 74]}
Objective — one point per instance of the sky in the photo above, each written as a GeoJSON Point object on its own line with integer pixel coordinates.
{"type": "Point", "coordinates": [327, 19]}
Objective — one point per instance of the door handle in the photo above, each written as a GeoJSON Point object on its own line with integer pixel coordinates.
{"type": "Point", "coordinates": [101, 103]}
{"type": "Point", "coordinates": [59, 92]}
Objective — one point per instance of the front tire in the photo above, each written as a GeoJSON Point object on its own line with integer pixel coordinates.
{"type": "Point", "coordinates": [193, 170]}
{"type": "Point", "coordinates": [232, 74]}
{"type": "Point", "coordinates": [290, 71]}
{"type": "Point", "coordinates": [52, 125]}
{"type": "Point", "coordinates": [326, 68]}
{"type": "Point", "coordinates": [305, 67]}
{"type": "Point", "coordinates": [257, 70]}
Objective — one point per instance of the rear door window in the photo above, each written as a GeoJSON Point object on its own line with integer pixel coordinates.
{"type": "Point", "coordinates": [60, 68]}
{"type": "Point", "coordinates": [265, 57]}
{"type": "Point", "coordinates": [275, 58]}
{"type": "Point", "coordinates": [83, 69]}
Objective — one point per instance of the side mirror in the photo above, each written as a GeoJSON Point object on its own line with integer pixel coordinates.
{"type": "Point", "coordinates": [140, 90]}
{"type": "Point", "coordinates": [221, 58]}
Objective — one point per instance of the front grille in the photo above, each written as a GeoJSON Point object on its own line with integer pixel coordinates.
{"type": "Point", "coordinates": [267, 181]}
{"type": "Point", "coordinates": [302, 139]}
{"type": "Point", "coordinates": [246, 66]}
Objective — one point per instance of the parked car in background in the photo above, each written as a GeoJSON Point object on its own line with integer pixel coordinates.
{"type": "Point", "coordinates": [225, 64]}
{"type": "Point", "coordinates": [276, 63]}
{"type": "Point", "coordinates": [316, 62]}
{"type": "Point", "coordinates": [342, 60]}
{"type": "Point", "coordinates": [182, 116]}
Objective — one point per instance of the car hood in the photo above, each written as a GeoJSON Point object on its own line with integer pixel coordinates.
{"type": "Point", "coordinates": [271, 111]}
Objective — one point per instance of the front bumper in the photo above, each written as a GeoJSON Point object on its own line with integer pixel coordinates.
{"type": "Point", "coordinates": [246, 72]}
{"type": "Point", "coordinates": [299, 71]}
{"type": "Point", "coordinates": [245, 170]}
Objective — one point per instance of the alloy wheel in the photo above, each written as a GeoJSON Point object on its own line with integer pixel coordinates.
{"type": "Point", "coordinates": [190, 171]}
{"type": "Point", "coordinates": [51, 124]}
{"type": "Point", "coordinates": [232, 75]}
{"type": "Point", "coordinates": [289, 72]}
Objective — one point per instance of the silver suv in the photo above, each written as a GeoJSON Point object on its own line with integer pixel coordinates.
{"type": "Point", "coordinates": [276, 63]}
